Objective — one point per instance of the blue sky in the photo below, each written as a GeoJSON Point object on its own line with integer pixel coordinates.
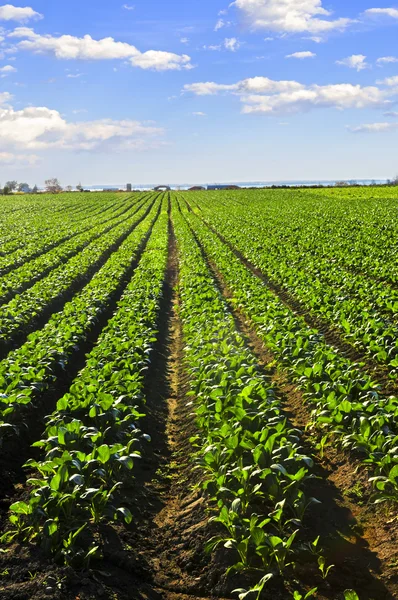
{"type": "Point", "coordinates": [150, 91]}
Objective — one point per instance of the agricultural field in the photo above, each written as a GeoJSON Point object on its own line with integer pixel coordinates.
{"type": "Point", "coordinates": [199, 395]}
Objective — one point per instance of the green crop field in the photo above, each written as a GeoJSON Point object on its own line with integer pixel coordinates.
{"type": "Point", "coordinates": [199, 395]}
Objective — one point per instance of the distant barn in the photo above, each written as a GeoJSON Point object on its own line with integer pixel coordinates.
{"type": "Point", "coordinates": [162, 188]}
{"type": "Point", "coordinates": [223, 187]}
{"type": "Point", "coordinates": [196, 188]}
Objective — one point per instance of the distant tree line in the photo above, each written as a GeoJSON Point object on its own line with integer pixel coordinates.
{"type": "Point", "coordinates": [52, 186]}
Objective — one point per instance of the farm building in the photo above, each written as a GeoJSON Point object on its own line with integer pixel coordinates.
{"type": "Point", "coordinates": [223, 187]}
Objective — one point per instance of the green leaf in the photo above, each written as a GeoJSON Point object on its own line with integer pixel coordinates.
{"type": "Point", "coordinates": [20, 508]}
{"type": "Point", "coordinates": [350, 595]}
{"type": "Point", "coordinates": [104, 453]}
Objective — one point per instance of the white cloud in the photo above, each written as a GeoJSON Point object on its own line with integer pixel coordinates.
{"type": "Point", "coordinates": [301, 55]}
{"type": "Point", "coordinates": [41, 128]}
{"type": "Point", "coordinates": [315, 38]}
{"type": "Point", "coordinates": [265, 96]}
{"type": "Point", "coordinates": [184, 40]}
{"type": "Point", "coordinates": [199, 114]}
{"type": "Point", "coordinates": [232, 44]}
{"type": "Point", "coordinates": [391, 113]}
{"type": "Point", "coordinates": [213, 47]}
{"type": "Point", "coordinates": [74, 75]}
{"type": "Point", "coordinates": [356, 61]}
{"type": "Point", "coordinates": [209, 88]}
{"type": "Point", "coordinates": [221, 23]}
{"type": "Point", "coordinates": [291, 16]}
{"type": "Point", "coordinates": [254, 85]}
{"type": "Point", "coordinates": [384, 12]}
{"type": "Point", "coordinates": [374, 128]}
{"type": "Point", "coordinates": [8, 158]}
{"type": "Point", "coordinates": [390, 81]}
{"type": "Point", "coordinates": [68, 47]}
{"type": "Point", "coordinates": [128, 7]}
{"type": "Point", "coordinates": [8, 12]}
{"type": "Point", "coordinates": [5, 98]}
{"type": "Point", "coordinates": [387, 60]}
{"type": "Point", "coordinates": [8, 69]}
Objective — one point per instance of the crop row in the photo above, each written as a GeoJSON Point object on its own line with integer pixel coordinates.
{"type": "Point", "coordinates": [253, 462]}
{"type": "Point", "coordinates": [25, 309]}
{"type": "Point", "coordinates": [28, 372]}
{"type": "Point", "coordinates": [364, 311]}
{"type": "Point", "coordinates": [346, 401]}
{"type": "Point", "coordinates": [356, 231]}
{"type": "Point", "coordinates": [45, 242]}
{"type": "Point", "coordinates": [29, 273]}
{"type": "Point", "coordinates": [38, 221]}
{"type": "Point", "coordinates": [92, 440]}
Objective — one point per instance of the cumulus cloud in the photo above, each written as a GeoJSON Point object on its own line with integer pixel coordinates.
{"type": "Point", "coordinates": [374, 128]}
{"type": "Point", "coordinates": [8, 12]}
{"type": "Point", "coordinates": [266, 96]}
{"type": "Point", "coordinates": [232, 44]}
{"type": "Point", "coordinates": [387, 60]}
{"type": "Point", "coordinates": [390, 81]}
{"type": "Point", "coordinates": [356, 61]}
{"type": "Point", "coordinates": [68, 47]}
{"type": "Point", "coordinates": [291, 16]}
{"type": "Point", "coordinates": [383, 12]}
{"type": "Point", "coordinates": [301, 55]}
{"type": "Point", "coordinates": [41, 128]}
{"type": "Point", "coordinates": [7, 69]}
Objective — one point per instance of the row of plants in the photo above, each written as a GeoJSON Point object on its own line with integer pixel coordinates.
{"type": "Point", "coordinates": [23, 310]}
{"type": "Point", "coordinates": [346, 402]}
{"type": "Point", "coordinates": [363, 310]}
{"type": "Point", "coordinates": [30, 272]}
{"type": "Point", "coordinates": [29, 371]}
{"type": "Point", "coordinates": [253, 463]}
{"type": "Point", "coordinates": [62, 230]}
{"type": "Point", "coordinates": [355, 229]}
{"type": "Point", "coordinates": [93, 440]}
{"type": "Point", "coordinates": [31, 221]}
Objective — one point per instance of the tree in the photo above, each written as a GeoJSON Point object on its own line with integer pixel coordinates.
{"type": "Point", "coordinates": [79, 187]}
{"type": "Point", "coordinates": [11, 185]}
{"type": "Point", "coordinates": [68, 188]}
{"type": "Point", "coordinates": [24, 187]}
{"type": "Point", "coordinates": [35, 189]}
{"type": "Point", "coordinates": [395, 181]}
{"type": "Point", "coordinates": [53, 186]}
{"type": "Point", "coordinates": [6, 190]}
